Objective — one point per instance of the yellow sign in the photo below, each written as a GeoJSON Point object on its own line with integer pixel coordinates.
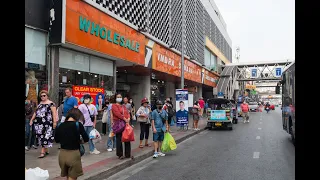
{"type": "Point", "coordinates": [248, 86]}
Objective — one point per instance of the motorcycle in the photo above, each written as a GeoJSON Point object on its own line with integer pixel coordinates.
{"type": "Point", "coordinates": [267, 109]}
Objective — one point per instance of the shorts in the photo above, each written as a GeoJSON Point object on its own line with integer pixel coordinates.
{"type": "Point", "coordinates": [159, 136]}
{"type": "Point", "coordinates": [70, 163]}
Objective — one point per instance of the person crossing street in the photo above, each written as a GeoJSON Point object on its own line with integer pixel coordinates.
{"type": "Point", "coordinates": [245, 111]}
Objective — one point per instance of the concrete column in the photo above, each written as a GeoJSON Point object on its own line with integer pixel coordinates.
{"type": "Point", "coordinates": [141, 90]}
{"type": "Point", "coordinates": [170, 90]}
{"type": "Point", "coordinates": [53, 74]}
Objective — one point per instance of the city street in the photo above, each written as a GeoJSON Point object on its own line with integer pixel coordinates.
{"type": "Point", "coordinates": [259, 150]}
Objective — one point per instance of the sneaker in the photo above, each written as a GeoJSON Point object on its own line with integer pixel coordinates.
{"type": "Point", "coordinates": [248, 121]}
{"type": "Point", "coordinates": [161, 154]}
{"type": "Point", "coordinates": [26, 148]}
{"type": "Point", "coordinates": [109, 150]}
{"type": "Point", "coordinates": [194, 129]}
{"type": "Point", "coordinates": [95, 151]}
{"type": "Point", "coordinates": [155, 155]}
{"type": "Point", "coordinates": [244, 121]}
{"type": "Point", "coordinates": [34, 147]}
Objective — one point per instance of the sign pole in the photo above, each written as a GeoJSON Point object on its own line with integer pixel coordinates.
{"type": "Point", "coordinates": [182, 45]}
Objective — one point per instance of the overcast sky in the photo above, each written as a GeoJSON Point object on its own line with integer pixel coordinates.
{"type": "Point", "coordinates": [263, 29]}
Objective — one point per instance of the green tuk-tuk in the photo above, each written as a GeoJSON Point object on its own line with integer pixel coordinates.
{"type": "Point", "coordinates": [220, 113]}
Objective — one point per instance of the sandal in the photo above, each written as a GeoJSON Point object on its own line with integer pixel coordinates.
{"type": "Point", "coordinates": [47, 153]}
{"type": "Point", "coordinates": [42, 155]}
{"type": "Point", "coordinates": [148, 145]}
{"type": "Point", "coordinates": [121, 157]}
{"type": "Point", "coordinates": [141, 146]}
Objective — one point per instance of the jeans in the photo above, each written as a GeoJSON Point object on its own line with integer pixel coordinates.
{"type": "Point", "coordinates": [88, 129]}
{"type": "Point", "coordinates": [30, 134]}
{"type": "Point", "coordinates": [111, 143]}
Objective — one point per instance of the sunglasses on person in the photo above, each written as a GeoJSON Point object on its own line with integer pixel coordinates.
{"type": "Point", "coordinates": [43, 95]}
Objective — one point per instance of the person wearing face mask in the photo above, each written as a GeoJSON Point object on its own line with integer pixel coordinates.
{"type": "Point", "coordinates": [90, 113]}
{"type": "Point", "coordinates": [168, 106]}
{"type": "Point", "coordinates": [159, 120]}
{"type": "Point", "coordinates": [120, 113]}
{"type": "Point", "coordinates": [133, 112]}
{"type": "Point", "coordinates": [143, 117]}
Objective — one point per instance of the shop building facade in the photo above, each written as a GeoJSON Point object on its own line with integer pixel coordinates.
{"type": "Point", "coordinates": [36, 41]}
{"type": "Point", "coordinates": [129, 50]}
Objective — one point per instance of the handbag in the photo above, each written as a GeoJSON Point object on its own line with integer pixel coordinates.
{"type": "Point", "coordinates": [91, 116]}
{"type": "Point", "coordinates": [81, 149]}
{"type": "Point", "coordinates": [118, 125]}
{"type": "Point", "coordinates": [105, 116]}
{"type": "Point", "coordinates": [141, 119]}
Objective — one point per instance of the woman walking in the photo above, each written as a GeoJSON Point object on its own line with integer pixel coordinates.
{"type": "Point", "coordinates": [143, 117]}
{"type": "Point", "coordinates": [120, 113]}
{"type": "Point", "coordinates": [133, 112]}
{"type": "Point", "coordinates": [195, 113]}
{"type": "Point", "coordinates": [68, 135]}
{"type": "Point", "coordinates": [45, 120]}
{"type": "Point", "coordinates": [111, 143]}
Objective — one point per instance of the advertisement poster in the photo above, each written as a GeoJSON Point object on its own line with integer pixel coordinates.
{"type": "Point", "coordinates": [95, 93]}
{"type": "Point", "coordinates": [182, 105]}
{"type": "Point", "coordinates": [218, 115]}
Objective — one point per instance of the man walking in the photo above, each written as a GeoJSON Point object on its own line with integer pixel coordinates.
{"type": "Point", "coordinates": [201, 104]}
{"type": "Point", "coordinates": [159, 119]}
{"type": "Point", "coordinates": [245, 111]}
{"type": "Point", "coordinates": [69, 103]}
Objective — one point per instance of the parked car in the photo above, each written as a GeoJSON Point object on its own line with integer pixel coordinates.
{"type": "Point", "coordinates": [253, 106]}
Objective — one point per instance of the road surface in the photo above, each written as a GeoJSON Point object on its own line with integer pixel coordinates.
{"type": "Point", "coordinates": [260, 150]}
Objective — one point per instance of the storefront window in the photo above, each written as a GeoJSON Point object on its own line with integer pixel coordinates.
{"type": "Point", "coordinates": [35, 64]}
{"type": "Point", "coordinates": [69, 77]}
{"type": "Point", "coordinates": [35, 80]}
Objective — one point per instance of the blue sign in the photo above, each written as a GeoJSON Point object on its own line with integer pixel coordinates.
{"type": "Point", "coordinates": [220, 94]}
{"type": "Point", "coordinates": [182, 107]}
{"type": "Point", "coordinates": [253, 73]}
{"type": "Point", "coordinates": [278, 72]}
{"type": "Point", "coordinates": [218, 115]}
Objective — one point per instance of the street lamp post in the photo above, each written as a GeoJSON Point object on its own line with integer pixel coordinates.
{"type": "Point", "coordinates": [182, 45]}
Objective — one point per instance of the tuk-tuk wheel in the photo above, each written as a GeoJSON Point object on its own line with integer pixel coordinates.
{"type": "Point", "coordinates": [230, 128]}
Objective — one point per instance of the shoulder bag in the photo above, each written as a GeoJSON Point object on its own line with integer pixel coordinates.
{"type": "Point", "coordinates": [139, 118]}
{"type": "Point", "coordinates": [118, 125]}
{"type": "Point", "coordinates": [91, 116]}
{"type": "Point", "coordinates": [81, 149]}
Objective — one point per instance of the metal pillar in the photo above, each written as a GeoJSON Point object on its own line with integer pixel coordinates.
{"type": "Point", "coordinates": [182, 45]}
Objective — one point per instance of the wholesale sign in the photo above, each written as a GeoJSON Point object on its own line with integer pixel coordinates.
{"type": "Point", "coordinates": [88, 27]}
{"type": "Point", "coordinates": [79, 91]}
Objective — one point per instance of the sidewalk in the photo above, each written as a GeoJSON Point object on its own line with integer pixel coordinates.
{"type": "Point", "coordinates": [106, 163]}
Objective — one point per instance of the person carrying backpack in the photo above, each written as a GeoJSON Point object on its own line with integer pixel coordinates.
{"type": "Point", "coordinates": [168, 107]}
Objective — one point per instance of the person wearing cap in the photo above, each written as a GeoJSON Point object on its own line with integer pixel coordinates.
{"type": "Point", "coordinates": [159, 120]}
{"type": "Point", "coordinates": [143, 117]}
{"type": "Point", "coordinates": [90, 113]}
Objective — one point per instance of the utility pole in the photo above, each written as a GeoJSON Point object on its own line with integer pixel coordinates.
{"type": "Point", "coordinates": [182, 44]}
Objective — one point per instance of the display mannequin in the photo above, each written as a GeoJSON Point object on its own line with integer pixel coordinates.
{"type": "Point", "coordinates": [31, 86]}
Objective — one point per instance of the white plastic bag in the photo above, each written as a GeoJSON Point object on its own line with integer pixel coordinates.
{"type": "Point", "coordinates": [95, 136]}
{"type": "Point", "coordinates": [36, 174]}
{"type": "Point", "coordinates": [105, 116]}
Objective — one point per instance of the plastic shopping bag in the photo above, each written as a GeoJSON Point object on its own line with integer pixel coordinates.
{"type": "Point", "coordinates": [36, 174]}
{"type": "Point", "coordinates": [95, 136]}
{"type": "Point", "coordinates": [168, 143]}
{"type": "Point", "coordinates": [172, 122]}
{"type": "Point", "coordinates": [127, 134]}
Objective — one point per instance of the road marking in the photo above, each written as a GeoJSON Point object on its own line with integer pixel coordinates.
{"type": "Point", "coordinates": [256, 155]}
{"type": "Point", "coordinates": [130, 171]}
{"type": "Point", "coordinates": [259, 128]}
{"type": "Point", "coordinates": [258, 137]}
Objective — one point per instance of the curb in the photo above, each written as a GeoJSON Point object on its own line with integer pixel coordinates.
{"type": "Point", "coordinates": [137, 159]}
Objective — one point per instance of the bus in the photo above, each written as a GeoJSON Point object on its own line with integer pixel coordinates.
{"type": "Point", "coordinates": [288, 100]}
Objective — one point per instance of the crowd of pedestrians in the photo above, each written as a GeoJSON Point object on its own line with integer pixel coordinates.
{"type": "Point", "coordinates": [70, 125]}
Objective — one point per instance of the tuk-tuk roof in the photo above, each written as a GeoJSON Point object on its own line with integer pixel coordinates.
{"type": "Point", "coordinates": [218, 101]}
